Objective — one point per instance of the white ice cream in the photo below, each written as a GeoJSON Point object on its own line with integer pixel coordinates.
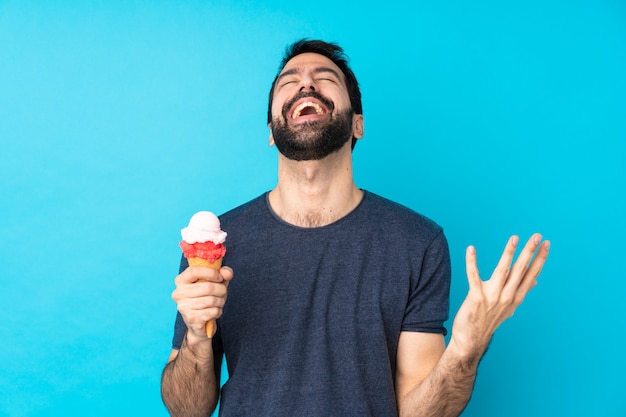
{"type": "Point", "coordinates": [203, 226]}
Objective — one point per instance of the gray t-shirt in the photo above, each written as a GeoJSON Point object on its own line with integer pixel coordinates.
{"type": "Point", "coordinates": [313, 315]}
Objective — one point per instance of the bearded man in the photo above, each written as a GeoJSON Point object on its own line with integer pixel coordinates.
{"type": "Point", "coordinates": [340, 295]}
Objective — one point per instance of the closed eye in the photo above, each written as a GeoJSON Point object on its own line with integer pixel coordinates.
{"type": "Point", "coordinates": [327, 74]}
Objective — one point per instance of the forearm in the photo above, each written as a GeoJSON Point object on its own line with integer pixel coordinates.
{"type": "Point", "coordinates": [189, 385]}
{"type": "Point", "coordinates": [445, 391]}
{"type": "Point", "coordinates": [448, 387]}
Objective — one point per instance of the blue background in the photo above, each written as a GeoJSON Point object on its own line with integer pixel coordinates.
{"type": "Point", "coordinates": [118, 120]}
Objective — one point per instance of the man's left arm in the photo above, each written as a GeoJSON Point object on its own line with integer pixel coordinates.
{"type": "Point", "coordinates": [433, 381]}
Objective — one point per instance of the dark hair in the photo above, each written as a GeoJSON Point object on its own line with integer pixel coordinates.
{"type": "Point", "coordinates": [331, 51]}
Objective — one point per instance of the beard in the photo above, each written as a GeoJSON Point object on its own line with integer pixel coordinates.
{"type": "Point", "coordinates": [314, 140]}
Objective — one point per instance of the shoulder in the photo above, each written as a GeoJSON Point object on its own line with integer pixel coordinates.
{"type": "Point", "coordinates": [399, 218]}
{"type": "Point", "coordinates": [250, 209]}
{"type": "Point", "coordinates": [249, 219]}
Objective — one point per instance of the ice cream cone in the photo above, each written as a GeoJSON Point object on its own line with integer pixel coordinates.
{"type": "Point", "coordinates": [202, 246]}
{"type": "Point", "coordinates": [217, 264]}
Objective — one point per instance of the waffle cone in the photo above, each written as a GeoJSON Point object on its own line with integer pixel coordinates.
{"type": "Point", "coordinates": [217, 264]}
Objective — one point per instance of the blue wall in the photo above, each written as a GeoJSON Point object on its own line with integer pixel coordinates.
{"type": "Point", "coordinates": [118, 120]}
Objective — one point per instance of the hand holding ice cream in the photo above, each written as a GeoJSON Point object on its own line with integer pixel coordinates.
{"type": "Point", "coordinates": [202, 245]}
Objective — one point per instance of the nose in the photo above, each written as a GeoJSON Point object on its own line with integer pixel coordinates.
{"type": "Point", "coordinates": [307, 83]}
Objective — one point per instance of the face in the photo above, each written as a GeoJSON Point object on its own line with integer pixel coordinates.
{"type": "Point", "coordinates": [311, 112]}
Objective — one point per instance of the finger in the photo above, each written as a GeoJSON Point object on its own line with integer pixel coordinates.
{"type": "Point", "coordinates": [518, 272]}
{"type": "Point", "coordinates": [199, 289]}
{"type": "Point", "coordinates": [185, 277]}
{"type": "Point", "coordinates": [204, 273]}
{"type": "Point", "coordinates": [197, 319]}
{"type": "Point", "coordinates": [195, 273]}
{"type": "Point", "coordinates": [204, 288]}
{"type": "Point", "coordinates": [501, 272]}
{"type": "Point", "coordinates": [536, 265]}
{"type": "Point", "coordinates": [471, 269]}
{"type": "Point", "coordinates": [529, 280]}
{"type": "Point", "coordinates": [202, 303]}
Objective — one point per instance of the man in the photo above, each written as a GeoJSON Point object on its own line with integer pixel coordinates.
{"type": "Point", "coordinates": [340, 296]}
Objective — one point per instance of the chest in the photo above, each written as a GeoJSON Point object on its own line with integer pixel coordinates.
{"type": "Point", "coordinates": [314, 289]}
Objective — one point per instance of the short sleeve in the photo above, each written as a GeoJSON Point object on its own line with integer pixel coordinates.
{"type": "Point", "coordinates": [429, 301]}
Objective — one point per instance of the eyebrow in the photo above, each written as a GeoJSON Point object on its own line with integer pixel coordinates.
{"type": "Point", "coordinates": [318, 70]}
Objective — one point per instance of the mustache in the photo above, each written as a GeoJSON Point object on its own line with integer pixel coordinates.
{"type": "Point", "coordinates": [314, 94]}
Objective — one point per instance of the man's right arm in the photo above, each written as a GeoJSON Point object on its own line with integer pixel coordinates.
{"type": "Point", "coordinates": [189, 383]}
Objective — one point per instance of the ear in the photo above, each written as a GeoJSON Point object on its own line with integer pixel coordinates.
{"type": "Point", "coordinates": [271, 139]}
{"type": "Point", "coordinates": [357, 126]}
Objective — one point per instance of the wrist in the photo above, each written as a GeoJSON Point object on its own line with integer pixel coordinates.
{"type": "Point", "coordinates": [200, 347]}
{"type": "Point", "coordinates": [461, 356]}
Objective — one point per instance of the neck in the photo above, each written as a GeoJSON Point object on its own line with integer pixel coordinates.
{"type": "Point", "coordinates": [315, 193]}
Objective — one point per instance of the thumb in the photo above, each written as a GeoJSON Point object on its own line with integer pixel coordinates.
{"type": "Point", "coordinates": [226, 273]}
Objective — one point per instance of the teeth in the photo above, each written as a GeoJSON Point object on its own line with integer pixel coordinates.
{"type": "Point", "coordinates": [304, 105]}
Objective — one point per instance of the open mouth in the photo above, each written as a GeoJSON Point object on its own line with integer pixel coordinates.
{"type": "Point", "coordinates": [307, 108]}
